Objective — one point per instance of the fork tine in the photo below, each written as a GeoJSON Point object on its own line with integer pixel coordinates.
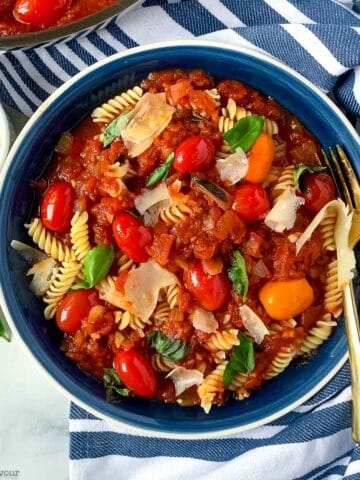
{"type": "Point", "coordinates": [351, 176]}
{"type": "Point", "coordinates": [344, 189]}
{"type": "Point", "coordinates": [333, 174]}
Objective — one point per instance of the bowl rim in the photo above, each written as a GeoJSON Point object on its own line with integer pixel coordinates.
{"type": "Point", "coordinates": [153, 431]}
{"type": "Point", "coordinates": [26, 40]}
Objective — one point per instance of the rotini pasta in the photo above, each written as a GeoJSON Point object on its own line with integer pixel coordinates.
{"type": "Point", "coordinates": [162, 313]}
{"type": "Point", "coordinates": [272, 177]}
{"type": "Point", "coordinates": [113, 107]}
{"type": "Point", "coordinates": [333, 300]}
{"type": "Point", "coordinates": [318, 334]}
{"type": "Point", "coordinates": [223, 340]}
{"type": "Point", "coordinates": [211, 385]}
{"type": "Point", "coordinates": [79, 235]}
{"type": "Point", "coordinates": [126, 319]}
{"type": "Point", "coordinates": [327, 228]}
{"type": "Point", "coordinates": [48, 243]}
{"type": "Point", "coordinates": [159, 363]}
{"type": "Point", "coordinates": [125, 263]}
{"type": "Point", "coordinates": [175, 213]}
{"type": "Point", "coordinates": [172, 295]}
{"type": "Point", "coordinates": [61, 284]}
{"type": "Point", "coordinates": [280, 362]}
{"type": "Point", "coordinates": [285, 180]}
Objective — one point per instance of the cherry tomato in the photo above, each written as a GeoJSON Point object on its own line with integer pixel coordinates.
{"type": "Point", "coordinates": [132, 236]}
{"type": "Point", "coordinates": [74, 307]}
{"type": "Point", "coordinates": [194, 154]}
{"type": "Point", "coordinates": [38, 12]}
{"type": "Point", "coordinates": [211, 291]}
{"type": "Point", "coordinates": [318, 190]}
{"type": "Point", "coordinates": [251, 202]}
{"type": "Point", "coordinates": [136, 373]}
{"type": "Point", "coordinates": [57, 207]}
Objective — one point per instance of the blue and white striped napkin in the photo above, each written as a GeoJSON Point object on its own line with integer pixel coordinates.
{"type": "Point", "coordinates": [320, 39]}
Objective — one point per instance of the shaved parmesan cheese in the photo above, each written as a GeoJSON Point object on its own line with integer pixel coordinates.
{"type": "Point", "coordinates": [149, 118]}
{"type": "Point", "coordinates": [204, 321]}
{"type": "Point", "coordinates": [30, 254]}
{"type": "Point", "coordinates": [149, 198]}
{"type": "Point", "coordinates": [283, 214]}
{"type": "Point", "coordinates": [253, 324]}
{"type": "Point", "coordinates": [43, 272]}
{"type": "Point", "coordinates": [345, 255]}
{"type": "Point", "coordinates": [184, 378]}
{"type": "Point", "coordinates": [142, 287]}
{"type": "Point", "coordinates": [233, 168]}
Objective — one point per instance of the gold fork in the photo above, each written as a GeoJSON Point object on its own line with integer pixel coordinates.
{"type": "Point", "coordinates": [349, 189]}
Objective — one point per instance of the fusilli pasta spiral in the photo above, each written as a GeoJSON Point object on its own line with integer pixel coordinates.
{"type": "Point", "coordinates": [318, 334]}
{"type": "Point", "coordinates": [272, 177]}
{"type": "Point", "coordinates": [280, 362]}
{"type": "Point", "coordinates": [211, 385]}
{"type": "Point", "coordinates": [333, 300]}
{"type": "Point", "coordinates": [79, 235]}
{"type": "Point", "coordinates": [223, 340]}
{"type": "Point", "coordinates": [172, 295]}
{"type": "Point", "coordinates": [113, 107]}
{"type": "Point", "coordinates": [327, 229]}
{"type": "Point", "coordinates": [126, 319]}
{"type": "Point", "coordinates": [125, 263]}
{"type": "Point", "coordinates": [161, 313]}
{"type": "Point", "coordinates": [159, 363]}
{"type": "Point", "coordinates": [48, 243]}
{"type": "Point", "coordinates": [175, 213]}
{"type": "Point", "coordinates": [285, 180]}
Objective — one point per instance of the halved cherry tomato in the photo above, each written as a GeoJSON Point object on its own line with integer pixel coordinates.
{"type": "Point", "coordinates": [57, 207]}
{"type": "Point", "coordinates": [132, 236]}
{"type": "Point", "coordinates": [251, 202]}
{"type": "Point", "coordinates": [194, 154]}
{"type": "Point", "coordinates": [211, 291]}
{"type": "Point", "coordinates": [318, 190]}
{"type": "Point", "coordinates": [74, 307]}
{"type": "Point", "coordinates": [136, 373]}
{"type": "Point", "coordinates": [38, 12]}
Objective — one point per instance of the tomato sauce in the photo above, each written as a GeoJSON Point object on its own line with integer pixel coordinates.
{"type": "Point", "coordinates": [77, 9]}
{"type": "Point", "coordinates": [209, 233]}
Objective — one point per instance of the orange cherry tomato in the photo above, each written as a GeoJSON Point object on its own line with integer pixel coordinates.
{"type": "Point", "coordinates": [261, 156]}
{"type": "Point", "coordinates": [194, 154]}
{"type": "Point", "coordinates": [136, 373]}
{"type": "Point", "coordinates": [39, 12]}
{"type": "Point", "coordinates": [57, 207]}
{"type": "Point", "coordinates": [74, 307]}
{"type": "Point", "coordinates": [211, 291]}
{"type": "Point", "coordinates": [286, 299]}
{"type": "Point", "coordinates": [132, 236]}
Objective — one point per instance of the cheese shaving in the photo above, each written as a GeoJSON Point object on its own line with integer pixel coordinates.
{"type": "Point", "coordinates": [204, 321]}
{"type": "Point", "coordinates": [345, 255]}
{"type": "Point", "coordinates": [43, 272]}
{"type": "Point", "coordinates": [184, 378]}
{"type": "Point", "coordinates": [149, 118]}
{"type": "Point", "coordinates": [253, 324]}
{"type": "Point", "coordinates": [283, 214]}
{"type": "Point", "coordinates": [233, 168]}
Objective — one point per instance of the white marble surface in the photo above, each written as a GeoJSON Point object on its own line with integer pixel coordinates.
{"type": "Point", "coordinates": [33, 419]}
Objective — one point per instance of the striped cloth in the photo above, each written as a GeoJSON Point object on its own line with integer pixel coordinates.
{"type": "Point", "coordinates": [320, 39]}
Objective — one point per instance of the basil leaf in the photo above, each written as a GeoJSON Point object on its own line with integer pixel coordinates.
{"type": "Point", "coordinates": [4, 330]}
{"type": "Point", "coordinates": [244, 132]}
{"type": "Point", "coordinates": [114, 129]}
{"type": "Point", "coordinates": [238, 274]}
{"type": "Point", "coordinates": [171, 349]}
{"type": "Point", "coordinates": [162, 171]}
{"type": "Point", "coordinates": [301, 169]}
{"type": "Point", "coordinates": [114, 389]}
{"type": "Point", "coordinates": [211, 187]}
{"type": "Point", "coordinates": [96, 266]}
{"type": "Point", "coordinates": [241, 361]}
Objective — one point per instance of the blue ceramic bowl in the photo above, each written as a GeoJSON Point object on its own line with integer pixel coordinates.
{"type": "Point", "coordinates": [28, 159]}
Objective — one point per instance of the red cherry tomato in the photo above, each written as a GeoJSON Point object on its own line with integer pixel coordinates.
{"type": "Point", "coordinates": [136, 373]}
{"type": "Point", "coordinates": [38, 12]}
{"type": "Point", "coordinates": [74, 307]}
{"type": "Point", "coordinates": [251, 202]}
{"type": "Point", "coordinates": [132, 236]}
{"type": "Point", "coordinates": [57, 207]}
{"type": "Point", "coordinates": [194, 154]}
{"type": "Point", "coordinates": [211, 291]}
{"type": "Point", "coordinates": [318, 190]}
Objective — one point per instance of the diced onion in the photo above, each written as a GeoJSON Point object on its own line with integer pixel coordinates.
{"type": "Point", "coordinates": [345, 255]}
{"type": "Point", "coordinates": [204, 321]}
{"type": "Point", "coordinates": [260, 269]}
{"type": "Point", "coordinates": [233, 168]}
{"type": "Point", "coordinates": [253, 324]}
{"type": "Point", "coordinates": [184, 378]}
{"type": "Point", "coordinates": [283, 214]}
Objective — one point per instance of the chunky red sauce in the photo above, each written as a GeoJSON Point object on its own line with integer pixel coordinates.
{"type": "Point", "coordinates": [208, 234]}
{"type": "Point", "coordinates": [78, 9]}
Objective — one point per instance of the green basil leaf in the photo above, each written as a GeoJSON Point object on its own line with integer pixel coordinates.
{"type": "Point", "coordinates": [114, 129]}
{"type": "Point", "coordinates": [301, 169]}
{"type": "Point", "coordinates": [241, 361]}
{"type": "Point", "coordinates": [211, 187]}
{"type": "Point", "coordinates": [171, 349]}
{"type": "Point", "coordinates": [4, 330]}
{"type": "Point", "coordinates": [238, 274]}
{"type": "Point", "coordinates": [114, 389]}
{"type": "Point", "coordinates": [244, 132]}
{"type": "Point", "coordinates": [96, 266]}
{"type": "Point", "coordinates": [162, 171]}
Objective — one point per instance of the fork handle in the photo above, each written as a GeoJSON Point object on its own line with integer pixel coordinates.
{"type": "Point", "coordinates": [353, 335]}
